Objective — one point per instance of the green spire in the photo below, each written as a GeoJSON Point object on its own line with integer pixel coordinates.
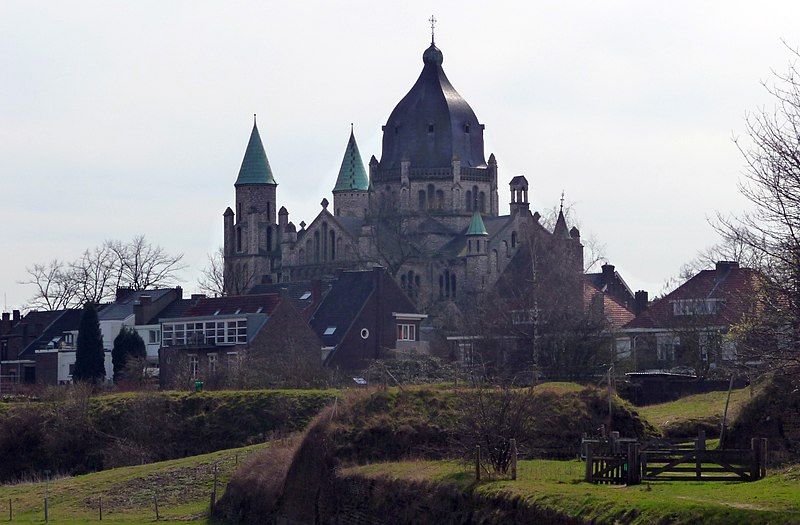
{"type": "Point", "coordinates": [352, 175]}
{"type": "Point", "coordinates": [476, 226]}
{"type": "Point", "coordinates": [255, 166]}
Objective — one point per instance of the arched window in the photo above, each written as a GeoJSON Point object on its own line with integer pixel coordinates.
{"type": "Point", "coordinates": [422, 201]}
{"type": "Point", "coordinates": [333, 245]}
{"type": "Point", "coordinates": [439, 199]}
{"type": "Point", "coordinates": [316, 246]}
{"type": "Point", "coordinates": [468, 200]}
{"type": "Point", "coordinates": [416, 281]}
{"type": "Point", "coordinates": [403, 282]}
{"type": "Point", "coordinates": [302, 256]}
{"type": "Point", "coordinates": [513, 239]}
{"type": "Point", "coordinates": [269, 208]}
{"type": "Point", "coordinates": [482, 202]}
{"type": "Point", "coordinates": [475, 198]}
{"type": "Point", "coordinates": [269, 238]}
{"type": "Point", "coordinates": [238, 238]}
{"type": "Point", "coordinates": [453, 284]}
{"type": "Point", "coordinates": [441, 286]}
{"type": "Point", "coordinates": [325, 241]}
{"type": "Point", "coordinates": [308, 251]}
{"type": "Point", "coordinates": [505, 245]}
{"type": "Point", "coordinates": [447, 283]}
{"type": "Point", "coordinates": [431, 196]}
{"type": "Point", "coordinates": [496, 261]}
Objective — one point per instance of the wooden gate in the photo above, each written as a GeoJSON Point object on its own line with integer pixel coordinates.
{"type": "Point", "coordinates": [698, 464]}
{"type": "Point", "coordinates": [610, 468]}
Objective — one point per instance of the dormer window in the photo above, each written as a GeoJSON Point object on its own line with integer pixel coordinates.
{"type": "Point", "coordinates": [466, 128]}
{"type": "Point", "coordinates": [396, 130]}
{"type": "Point", "coordinates": [430, 128]}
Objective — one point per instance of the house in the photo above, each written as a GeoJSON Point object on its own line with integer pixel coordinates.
{"type": "Point", "coordinates": [139, 309]}
{"type": "Point", "coordinates": [259, 338]}
{"type": "Point", "coordinates": [17, 333]}
{"type": "Point", "coordinates": [610, 282]}
{"type": "Point", "coordinates": [687, 328]}
{"type": "Point", "coordinates": [365, 316]}
{"type": "Point", "coordinates": [305, 295]}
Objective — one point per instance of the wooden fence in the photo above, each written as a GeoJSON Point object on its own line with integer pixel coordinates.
{"type": "Point", "coordinates": [616, 461]}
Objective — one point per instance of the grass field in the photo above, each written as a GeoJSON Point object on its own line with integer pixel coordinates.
{"type": "Point", "coordinates": [691, 412]}
{"type": "Point", "coordinates": [182, 488]}
{"type": "Point", "coordinates": [556, 485]}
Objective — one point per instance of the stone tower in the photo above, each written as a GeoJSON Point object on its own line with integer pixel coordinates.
{"type": "Point", "coordinates": [351, 193]}
{"type": "Point", "coordinates": [251, 234]}
{"type": "Point", "coordinates": [477, 253]}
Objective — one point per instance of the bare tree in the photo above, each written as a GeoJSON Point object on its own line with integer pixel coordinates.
{"type": "Point", "coordinates": [594, 251]}
{"type": "Point", "coordinates": [771, 230]}
{"type": "Point", "coordinates": [239, 278]}
{"type": "Point", "coordinates": [212, 277]}
{"type": "Point", "coordinates": [95, 274]}
{"type": "Point", "coordinates": [55, 287]}
{"type": "Point", "coordinates": [143, 265]}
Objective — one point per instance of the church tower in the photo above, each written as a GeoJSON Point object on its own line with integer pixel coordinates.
{"type": "Point", "coordinates": [251, 238]}
{"type": "Point", "coordinates": [351, 193]}
{"type": "Point", "coordinates": [477, 253]}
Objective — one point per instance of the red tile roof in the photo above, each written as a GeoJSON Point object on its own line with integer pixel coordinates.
{"type": "Point", "coordinates": [734, 287]}
{"type": "Point", "coordinates": [233, 304]}
{"type": "Point", "coordinates": [614, 311]}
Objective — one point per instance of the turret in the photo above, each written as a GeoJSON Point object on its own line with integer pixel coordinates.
{"type": "Point", "coordinates": [228, 231]}
{"type": "Point", "coordinates": [351, 193]}
{"type": "Point", "coordinates": [519, 194]}
{"type": "Point", "coordinates": [477, 253]}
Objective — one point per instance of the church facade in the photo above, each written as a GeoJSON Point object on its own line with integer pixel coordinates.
{"type": "Point", "coordinates": [427, 210]}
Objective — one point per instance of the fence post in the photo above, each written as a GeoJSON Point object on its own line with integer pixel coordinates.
{"type": "Point", "coordinates": [633, 463]}
{"type": "Point", "coordinates": [613, 439]}
{"type": "Point", "coordinates": [155, 504]}
{"type": "Point", "coordinates": [214, 491]}
{"type": "Point", "coordinates": [477, 462]}
{"type": "Point", "coordinates": [10, 512]}
{"type": "Point", "coordinates": [755, 460]}
{"type": "Point", "coordinates": [701, 440]}
{"type": "Point", "coordinates": [589, 461]}
{"type": "Point", "coordinates": [513, 444]}
{"type": "Point", "coordinates": [100, 505]}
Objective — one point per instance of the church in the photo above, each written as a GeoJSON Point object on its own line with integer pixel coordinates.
{"type": "Point", "coordinates": [428, 210]}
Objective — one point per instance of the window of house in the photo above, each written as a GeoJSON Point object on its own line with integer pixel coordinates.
{"type": "Point", "coordinates": [364, 333]}
{"type": "Point", "coordinates": [232, 360]}
{"type": "Point", "coordinates": [212, 363]}
{"type": "Point", "coordinates": [406, 332]}
{"type": "Point", "coordinates": [527, 316]}
{"type": "Point", "coordinates": [465, 353]}
{"type": "Point", "coordinates": [466, 128]}
{"type": "Point", "coordinates": [209, 332]}
{"type": "Point", "coordinates": [329, 331]}
{"type": "Point", "coordinates": [154, 336]}
{"type": "Point", "coordinates": [696, 306]}
{"type": "Point", "coordinates": [305, 296]}
{"type": "Point", "coordinates": [69, 338]}
{"type": "Point", "coordinates": [430, 128]}
{"type": "Point", "coordinates": [71, 369]}
{"type": "Point", "coordinates": [623, 347]}
{"type": "Point", "coordinates": [728, 350]}
{"type": "Point", "coordinates": [194, 364]}
{"type": "Point", "coordinates": [665, 347]}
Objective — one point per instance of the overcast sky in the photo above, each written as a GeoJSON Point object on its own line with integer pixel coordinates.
{"type": "Point", "coordinates": [126, 118]}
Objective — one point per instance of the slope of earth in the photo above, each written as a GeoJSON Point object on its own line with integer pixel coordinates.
{"type": "Point", "coordinates": [686, 416]}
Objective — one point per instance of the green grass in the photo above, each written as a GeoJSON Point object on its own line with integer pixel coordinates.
{"type": "Point", "coordinates": [557, 486]}
{"type": "Point", "coordinates": [685, 415]}
{"type": "Point", "coordinates": [182, 486]}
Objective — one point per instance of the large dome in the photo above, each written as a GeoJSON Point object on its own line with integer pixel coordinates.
{"type": "Point", "coordinates": [432, 124]}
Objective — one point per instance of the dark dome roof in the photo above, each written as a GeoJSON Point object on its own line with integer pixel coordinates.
{"type": "Point", "coordinates": [432, 124]}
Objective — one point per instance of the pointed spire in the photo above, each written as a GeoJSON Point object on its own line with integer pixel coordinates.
{"type": "Point", "coordinates": [476, 226]}
{"type": "Point", "coordinates": [352, 175]}
{"type": "Point", "coordinates": [560, 229]}
{"type": "Point", "coordinates": [255, 167]}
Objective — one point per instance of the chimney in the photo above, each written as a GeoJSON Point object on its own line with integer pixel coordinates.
{"type": "Point", "coordinates": [608, 272]}
{"type": "Point", "coordinates": [122, 293]}
{"type": "Point", "coordinates": [723, 267]}
{"type": "Point", "coordinates": [179, 291]}
{"type": "Point", "coordinates": [198, 296]}
{"type": "Point", "coordinates": [6, 316]}
{"type": "Point", "coordinates": [145, 300]}
{"type": "Point", "coordinates": [640, 302]}
{"type": "Point", "coordinates": [15, 316]}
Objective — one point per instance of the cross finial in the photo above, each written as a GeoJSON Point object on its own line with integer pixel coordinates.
{"type": "Point", "coordinates": [432, 20]}
{"type": "Point", "coordinates": [351, 128]}
{"type": "Point", "coordinates": [254, 119]}
{"type": "Point", "coordinates": [562, 200]}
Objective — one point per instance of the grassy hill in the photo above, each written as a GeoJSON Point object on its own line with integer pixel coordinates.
{"type": "Point", "coordinates": [551, 491]}
{"type": "Point", "coordinates": [182, 488]}
{"type": "Point", "coordinates": [685, 416]}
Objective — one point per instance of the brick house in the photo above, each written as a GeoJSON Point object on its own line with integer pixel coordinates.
{"type": "Point", "coordinates": [365, 316]}
{"type": "Point", "coordinates": [687, 328]}
{"type": "Point", "coordinates": [17, 333]}
{"type": "Point", "coordinates": [213, 338]}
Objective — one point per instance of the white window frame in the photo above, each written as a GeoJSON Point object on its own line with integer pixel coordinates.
{"type": "Point", "coordinates": [194, 365]}
{"type": "Point", "coordinates": [406, 332]}
{"type": "Point", "coordinates": [212, 362]}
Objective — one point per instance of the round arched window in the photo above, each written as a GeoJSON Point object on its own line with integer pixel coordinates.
{"type": "Point", "coordinates": [364, 333]}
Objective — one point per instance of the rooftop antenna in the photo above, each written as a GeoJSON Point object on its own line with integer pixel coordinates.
{"type": "Point", "coordinates": [432, 20]}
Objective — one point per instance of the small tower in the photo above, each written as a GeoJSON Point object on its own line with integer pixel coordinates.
{"type": "Point", "coordinates": [351, 193]}
{"type": "Point", "coordinates": [477, 253]}
{"type": "Point", "coordinates": [519, 194]}
{"type": "Point", "coordinates": [250, 231]}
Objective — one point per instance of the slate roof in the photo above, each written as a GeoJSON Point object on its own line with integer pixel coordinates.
{"type": "Point", "coordinates": [255, 167]}
{"type": "Point", "coordinates": [617, 287]}
{"type": "Point", "coordinates": [341, 306]}
{"type": "Point", "coordinates": [234, 304]}
{"type": "Point", "coordinates": [432, 124]}
{"type": "Point", "coordinates": [560, 229]}
{"type": "Point", "coordinates": [732, 285]}
{"type": "Point", "coordinates": [66, 321]}
{"type": "Point", "coordinates": [300, 293]}
{"type": "Point", "coordinates": [122, 309]}
{"type": "Point", "coordinates": [176, 308]}
{"type": "Point", "coordinates": [352, 175]}
{"type": "Point", "coordinates": [37, 321]}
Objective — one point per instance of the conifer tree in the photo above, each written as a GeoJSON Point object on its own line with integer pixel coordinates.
{"type": "Point", "coordinates": [89, 355]}
{"type": "Point", "coordinates": [126, 345]}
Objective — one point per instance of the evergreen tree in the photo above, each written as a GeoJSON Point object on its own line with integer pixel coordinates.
{"type": "Point", "coordinates": [89, 355]}
{"type": "Point", "coordinates": [127, 344]}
